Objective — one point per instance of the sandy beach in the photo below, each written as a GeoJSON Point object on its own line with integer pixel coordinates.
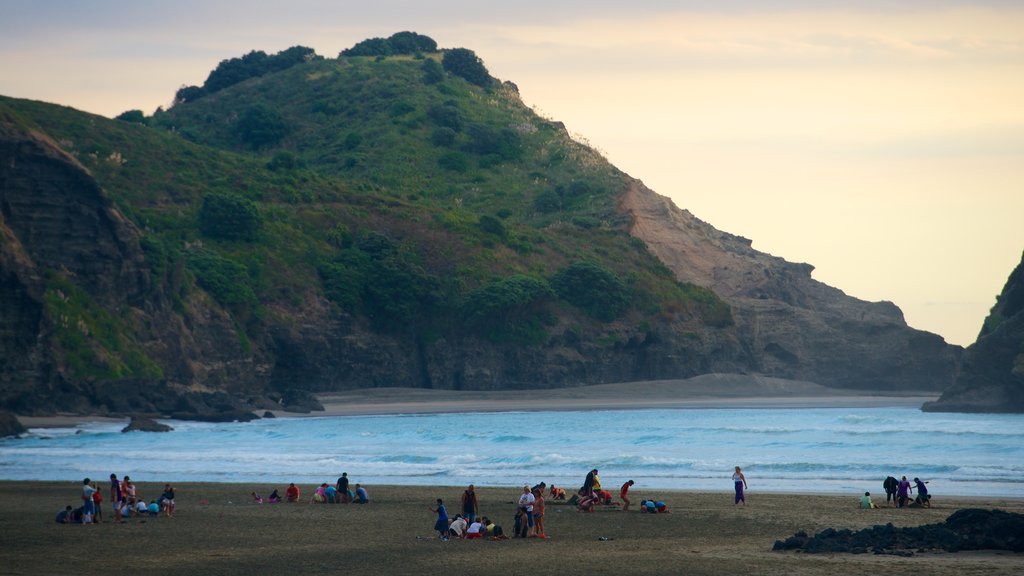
{"type": "Point", "coordinates": [218, 530]}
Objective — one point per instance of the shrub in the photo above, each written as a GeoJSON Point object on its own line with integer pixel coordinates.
{"type": "Point", "coordinates": [135, 116]}
{"type": "Point", "coordinates": [226, 280]}
{"type": "Point", "coordinates": [547, 201]}
{"type": "Point", "coordinates": [510, 309]}
{"type": "Point", "coordinates": [491, 225]}
{"type": "Point", "coordinates": [432, 71]}
{"type": "Point", "coordinates": [465, 63]}
{"type": "Point", "coordinates": [229, 217]}
{"type": "Point", "coordinates": [446, 115]}
{"type": "Point", "coordinates": [261, 126]}
{"type": "Point", "coordinates": [454, 161]}
{"type": "Point", "coordinates": [442, 136]}
{"type": "Point", "coordinates": [592, 288]}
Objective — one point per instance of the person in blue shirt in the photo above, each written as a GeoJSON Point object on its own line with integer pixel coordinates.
{"type": "Point", "coordinates": [442, 520]}
{"type": "Point", "coordinates": [361, 496]}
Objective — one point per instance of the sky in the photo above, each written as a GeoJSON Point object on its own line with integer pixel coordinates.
{"type": "Point", "coordinates": [880, 141]}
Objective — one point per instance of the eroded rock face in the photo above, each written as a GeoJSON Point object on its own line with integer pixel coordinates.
{"type": "Point", "coordinates": [58, 226]}
{"type": "Point", "coordinates": [791, 325]}
{"type": "Point", "coordinates": [992, 376]}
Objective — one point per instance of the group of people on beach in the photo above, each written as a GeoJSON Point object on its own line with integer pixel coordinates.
{"type": "Point", "coordinates": [528, 521]}
{"type": "Point", "coordinates": [125, 502]}
{"type": "Point", "coordinates": [341, 492]}
{"type": "Point", "coordinates": [898, 493]}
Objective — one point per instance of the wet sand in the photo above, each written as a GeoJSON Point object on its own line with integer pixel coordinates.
{"type": "Point", "coordinates": [217, 530]}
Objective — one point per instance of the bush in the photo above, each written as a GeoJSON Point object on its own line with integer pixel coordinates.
{"type": "Point", "coordinates": [485, 140]}
{"type": "Point", "coordinates": [511, 309]}
{"type": "Point", "coordinates": [454, 161]}
{"type": "Point", "coordinates": [592, 288]}
{"type": "Point", "coordinates": [432, 71]}
{"type": "Point", "coordinates": [491, 225]}
{"type": "Point", "coordinates": [447, 116]}
{"type": "Point", "coordinates": [261, 126]}
{"type": "Point", "coordinates": [135, 116]}
{"type": "Point", "coordinates": [443, 136]}
{"type": "Point", "coordinates": [226, 280]}
{"type": "Point", "coordinates": [464, 62]}
{"type": "Point", "coordinates": [229, 217]}
{"type": "Point", "coordinates": [284, 161]}
{"type": "Point", "coordinates": [547, 201]}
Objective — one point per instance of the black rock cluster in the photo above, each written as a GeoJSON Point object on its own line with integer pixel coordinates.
{"type": "Point", "coordinates": [968, 529]}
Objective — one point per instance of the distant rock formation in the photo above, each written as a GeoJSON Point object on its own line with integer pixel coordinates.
{"type": "Point", "coordinates": [992, 376]}
{"type": "Point", "coordinates": [791, 325]}
{"type": "Point", "coordinates": [969, 529]}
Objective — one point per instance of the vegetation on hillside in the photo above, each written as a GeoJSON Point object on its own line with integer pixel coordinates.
{"type": "Point", "coordinates": [403, 185]}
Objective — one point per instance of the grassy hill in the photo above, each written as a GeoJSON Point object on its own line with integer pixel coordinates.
{"type": "Point", "coordinates": [386, 193]}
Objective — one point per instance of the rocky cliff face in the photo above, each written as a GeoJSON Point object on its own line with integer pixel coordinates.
{"type": "Point", "coordinates": [992, 376]}
{"type": "Point", "coordinates": [790, 325]}
{"type": "Point", "coordinates": [71, 269]}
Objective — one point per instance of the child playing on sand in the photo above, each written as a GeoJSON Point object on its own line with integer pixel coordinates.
{"type": "Point", "coordinates": [557, 493]}
{"type": "Point", "coordinates": [292, 493]}
{"type": "Point", "coordinates": [624, 495]}
{"type": "Point", "coordinates": [442, 520]}
{"type": "Point", "coordinates": [274, 497]}
{"type": "Point", "coordinates": [318, 496]}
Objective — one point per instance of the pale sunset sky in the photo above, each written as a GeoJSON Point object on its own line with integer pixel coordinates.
{"type": "Point", "coordinates": [880, 141]}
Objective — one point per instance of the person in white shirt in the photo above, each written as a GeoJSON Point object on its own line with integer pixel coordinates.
{"type": "Point", "coordinates": [457, 527]}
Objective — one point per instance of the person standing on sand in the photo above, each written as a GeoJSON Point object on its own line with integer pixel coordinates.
{"type": "Point", "coordinates": [903, 492]}
{"type": "Point", "coordinates": [538, 512]}
{"type": "Point", "coordinates": [526, 507]}
{"type": "Point", "coordinates": [624, 495]}
{"type": "Point", "coordinates": [740, 482]}
{"type": "Point", "coordinates": [116, 497]}
{"type": "Point", "coordinates": [343, 488]}
{"type": "Point", "coordinates": [442, 520]}
{"type": "Point", "coordinates": [470, 506]}
{"type": "Point", "coordinates": [88, 508]}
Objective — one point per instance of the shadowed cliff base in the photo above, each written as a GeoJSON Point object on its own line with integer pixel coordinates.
{"type": "Point", "coordinates": [707, 391]}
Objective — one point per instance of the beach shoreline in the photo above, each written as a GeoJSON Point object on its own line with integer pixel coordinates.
{"type": "Point", "coordinates": [710, 391]}
{"type": "Point", "coordinates": [217, 529]}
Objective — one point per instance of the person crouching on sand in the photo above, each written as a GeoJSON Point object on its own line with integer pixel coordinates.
{"type": "Point", "coordinates": [865, 501]}
{"type": "Point", "coordinates": [557, 493]}
{"type": "Point", "coordinates": [292, 493]}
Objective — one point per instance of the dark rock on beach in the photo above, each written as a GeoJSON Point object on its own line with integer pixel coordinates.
{"type": "Point", "coordinates": [968, 529]}
{"type": "Point", "coordinates": [10, 425]}
{"type": "Point", "coordinates": [143, 424]}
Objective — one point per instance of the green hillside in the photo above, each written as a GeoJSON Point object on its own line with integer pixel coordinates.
{"type": "Point", "coordinates": [405, 196]}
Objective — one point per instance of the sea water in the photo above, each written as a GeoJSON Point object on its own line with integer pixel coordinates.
{"type": "Point", "coordinates": [807, 450]}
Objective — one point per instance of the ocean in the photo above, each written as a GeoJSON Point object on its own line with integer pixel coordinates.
{"type": "Point", "coordinates": [806, 450]}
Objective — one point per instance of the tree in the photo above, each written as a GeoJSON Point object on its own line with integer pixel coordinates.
{"type": "Point", "coordinates": [464, 62]}
{"type": "Point", "coordinates": [411, 43]}
{"type": "Point", "coordinates": [369, 47]}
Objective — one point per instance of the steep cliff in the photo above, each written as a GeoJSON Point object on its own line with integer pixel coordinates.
{"type": "Point", "coordinates": [82, 326]}
{"type": "Point", "coordinates": [791, 325]}
{"type": "Point", "coordinates": [992, 376]}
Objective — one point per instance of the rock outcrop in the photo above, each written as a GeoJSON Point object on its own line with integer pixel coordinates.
{"type": "Point", "coordinates": [789, 324]}
{"type": "Point", "coordinates": [992, 376]}
{"type": "Point", "coordinates": [969, 529]}
{"type": "Point", "coordinates": [10, 425]}
{"type": "Point", "coordinates": [144, 424]}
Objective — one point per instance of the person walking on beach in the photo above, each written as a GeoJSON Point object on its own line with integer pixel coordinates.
{"type": "Point", "coordinates": [442, 520]}
{"type": "Point", "coordinates": [470, 507]}
{"type": "Point", "coordinates": [740, 482]}
{"type": "Point", "coordinates": [624, 495]}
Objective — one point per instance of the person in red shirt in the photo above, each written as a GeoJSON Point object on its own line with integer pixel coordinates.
{"type": "Point", "coordinates": [292, 493]}
{"type": "Point", "coordinates": [97, 499]}
{"type": "Point", "coordinates": [623, 494]}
